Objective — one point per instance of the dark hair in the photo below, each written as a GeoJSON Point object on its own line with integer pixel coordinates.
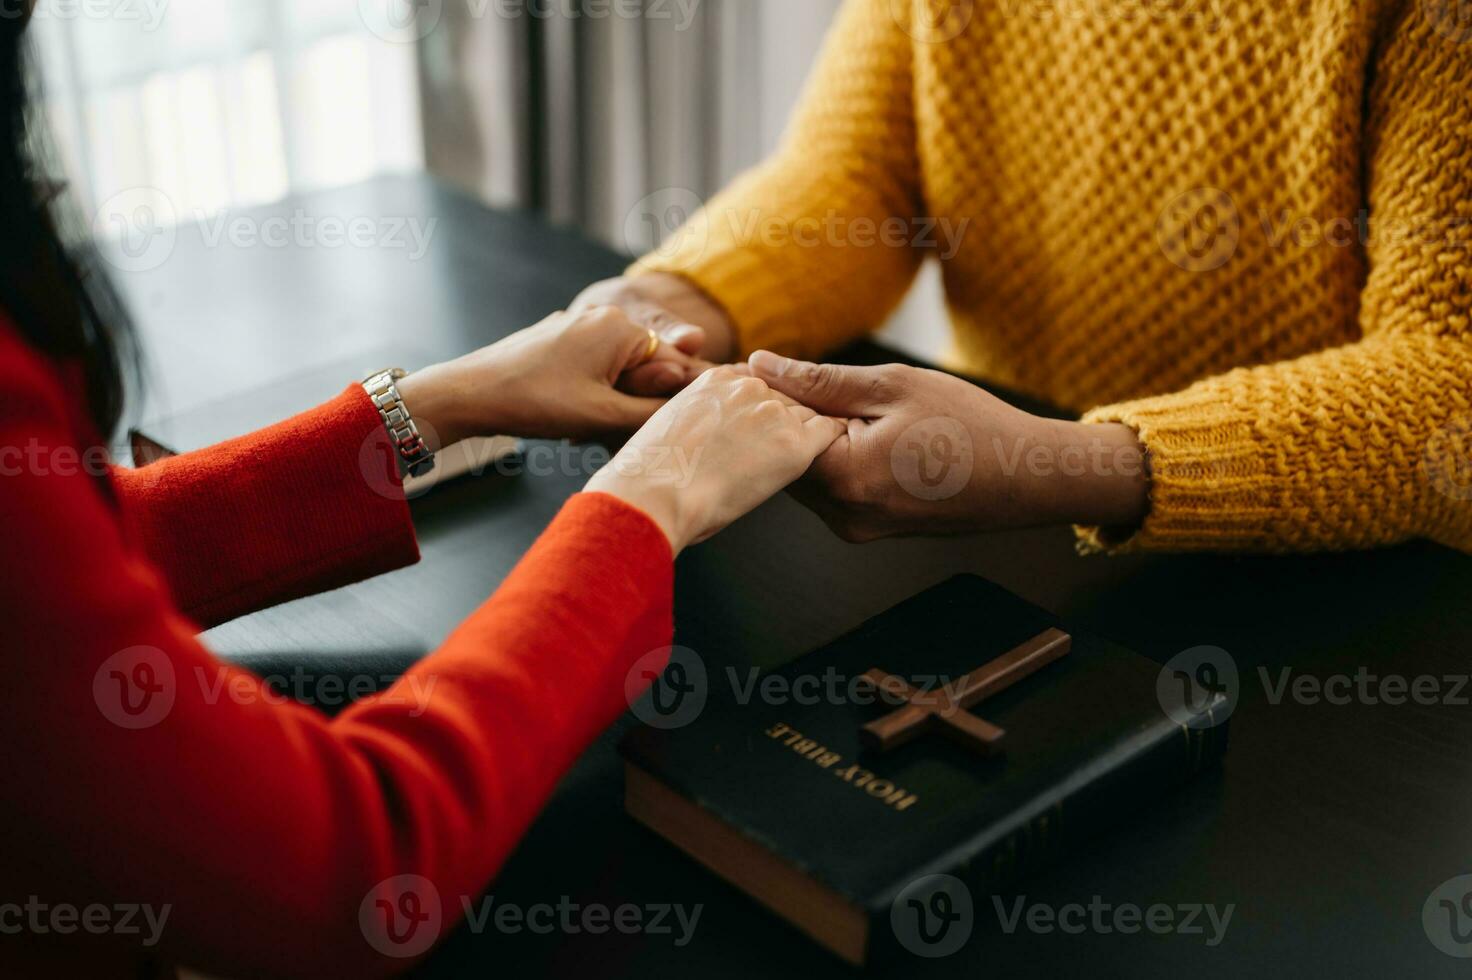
{"type": "Point", "coordinates": [61, 302]}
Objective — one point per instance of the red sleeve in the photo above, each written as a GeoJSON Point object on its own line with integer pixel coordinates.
{"type": "Point", "coordinates": [299, 508]}
{"type": "Point", "coordinates": [140, 769]}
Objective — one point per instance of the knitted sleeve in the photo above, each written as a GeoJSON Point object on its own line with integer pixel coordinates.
{"type": "Point", "coordinates": [815, 247]}
{"type": "Point", "coordinates": [1361, 445]}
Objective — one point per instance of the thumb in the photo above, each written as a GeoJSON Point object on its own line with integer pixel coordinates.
{"type": "Point", "coordinates": [686, 338]}
{"type": "Point", "coordinates": [679, 345]}
{"type": "Point", "coordinates": [829, 389]}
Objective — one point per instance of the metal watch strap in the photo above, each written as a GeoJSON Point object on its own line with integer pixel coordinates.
{"type": "Point", "coordinates": [415, 458]}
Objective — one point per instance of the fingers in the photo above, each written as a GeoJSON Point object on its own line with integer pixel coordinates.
{"type": "Point", "coordinates": [665, 379]}
{"type": "Point", "coordinates": [799, 412]}
{"type": "Point", "coordinates": [802, 413]}
{"type": "Point", "coordinates": [674, 345]}
{"type": "Point", "coordinates": [635, 341]}
{"type": "Point", "coordinates": [657, 379]}
{"type": "Point", "coordinates": [820, 433]}
{"type": "Point", "coordinates": [687, 338]}
{"type": "Point", "coordinates": [632, 365]}
{"type": "Point", "coordinates": [831, 389]}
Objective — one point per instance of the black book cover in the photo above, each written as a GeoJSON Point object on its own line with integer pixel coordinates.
{"type": "Point", "coordinates": [778, 795]}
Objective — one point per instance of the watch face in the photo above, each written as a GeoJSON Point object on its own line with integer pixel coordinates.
{"type": "Point", "coordinates": [387, 376]}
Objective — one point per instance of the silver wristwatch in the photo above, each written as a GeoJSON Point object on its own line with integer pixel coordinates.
{"type": "Point", "coordinates": [415, 458]}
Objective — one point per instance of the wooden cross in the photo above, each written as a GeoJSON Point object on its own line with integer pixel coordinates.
{"type": "Point", "coordinates": [947, 710]}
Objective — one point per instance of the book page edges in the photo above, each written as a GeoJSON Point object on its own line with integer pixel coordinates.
{"type": "Point", "coordinates": [816, 910]}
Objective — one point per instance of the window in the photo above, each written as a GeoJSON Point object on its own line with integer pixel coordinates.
{"type": "Point", "coordinates": [219, 104]}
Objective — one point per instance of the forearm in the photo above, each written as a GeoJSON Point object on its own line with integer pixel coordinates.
{"type": "Point", "coordinates": [1100, 475]}
{"type": "Point", "coordinates": [1032, 471]}
{"type": "Point", "coordinates": [307, 505]}
{"type": "Point", "coordinates": [228, 800]}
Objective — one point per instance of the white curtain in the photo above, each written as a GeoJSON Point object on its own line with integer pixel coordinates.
{"type": "Point", "coordinates": [583, 116]}
{"type": "Point", "coordinates": [217, 104]}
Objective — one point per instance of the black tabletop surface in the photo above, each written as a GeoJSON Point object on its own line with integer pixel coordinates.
{"type": "Point", "coordinates": [1326, 832]}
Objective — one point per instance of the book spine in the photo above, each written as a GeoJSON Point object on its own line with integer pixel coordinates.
{"type": "Point", "coordinates": [1171, 755]}
{"type": "Point", "coordinates": [1142, 769]}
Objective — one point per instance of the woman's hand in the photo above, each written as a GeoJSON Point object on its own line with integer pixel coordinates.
{"type": "Point", "coordinates": [556, 380]}
{"type": "Point", "coordinates": [673, 307]}
{"type": "Point", "coordinates": [714, 453]}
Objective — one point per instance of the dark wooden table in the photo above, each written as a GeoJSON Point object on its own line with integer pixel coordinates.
{"type": "Point", "coordinates": [1327, 830]}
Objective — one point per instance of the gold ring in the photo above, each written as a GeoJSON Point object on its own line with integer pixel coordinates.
{"type": "Point", "coordinates": [652, 349]}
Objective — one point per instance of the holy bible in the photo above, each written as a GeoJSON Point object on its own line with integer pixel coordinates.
{"type": "Point", "coordinates": [964, 732]}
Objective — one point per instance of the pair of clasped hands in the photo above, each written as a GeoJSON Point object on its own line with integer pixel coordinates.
{"type": "Point", "coordinates": [711, 443]}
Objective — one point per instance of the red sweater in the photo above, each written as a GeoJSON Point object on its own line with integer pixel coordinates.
{"type": "Point", "coordinates": [141, 771]}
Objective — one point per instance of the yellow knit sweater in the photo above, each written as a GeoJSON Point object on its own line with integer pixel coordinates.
{"type": "Point", "coordinates": [1243, 227]}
